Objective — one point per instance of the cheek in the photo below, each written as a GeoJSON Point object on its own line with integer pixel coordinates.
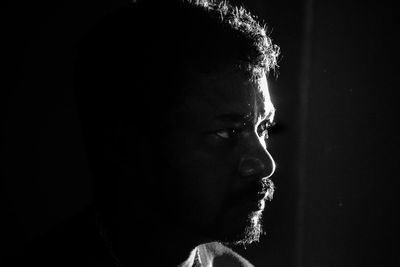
{"type": "Point", "coordinates": [204, 175]}
{"type": "Point", "coordinates": [202, 182]}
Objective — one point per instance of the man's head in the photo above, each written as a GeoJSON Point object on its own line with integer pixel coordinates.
{"type": "Point", "coordinates": [175, 105]}
{"type": "Point", "coordinates": [217, 154]}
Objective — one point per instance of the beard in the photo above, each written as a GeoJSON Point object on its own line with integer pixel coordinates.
{"type": "Point", "coordinates": [253, 229]}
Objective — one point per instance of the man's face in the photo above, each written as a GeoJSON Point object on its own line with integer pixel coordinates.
{"type": "Point", "coordinates": [217, 179]}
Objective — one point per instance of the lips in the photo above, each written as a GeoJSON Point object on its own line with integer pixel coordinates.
{"type": "Point", "coordinates": [259, 200]}
{"type": "Point", "coordinates": [257, 205]}
{"type": "Point", "coordinates": [255, 193]}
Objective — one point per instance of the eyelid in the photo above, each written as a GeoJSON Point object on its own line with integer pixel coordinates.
{"type": "Point", "coordinates": [271, 124]}
{"type": "Point", "coordinates": [268, 123]}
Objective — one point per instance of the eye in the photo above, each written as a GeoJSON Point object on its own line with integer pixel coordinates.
{"type": "Point", "coordinates": [263, 128]}
{"type": "Point", "coordinates": [227, 133]}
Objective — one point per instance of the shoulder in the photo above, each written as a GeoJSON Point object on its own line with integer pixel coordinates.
{"type": "Point", "coordinates": [222, 256]}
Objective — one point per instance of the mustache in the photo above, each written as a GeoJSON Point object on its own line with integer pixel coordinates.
{"type": "Point", "coordinates": [257, 190]}
{"type": "Point", "coordinates": [268, 188]}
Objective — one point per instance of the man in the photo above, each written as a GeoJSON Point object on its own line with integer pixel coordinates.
{"type": "Point", "coordinates": [175, 107]}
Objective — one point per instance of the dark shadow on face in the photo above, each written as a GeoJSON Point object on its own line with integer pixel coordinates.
{"type": "Point", "coordinates": [207, 172]}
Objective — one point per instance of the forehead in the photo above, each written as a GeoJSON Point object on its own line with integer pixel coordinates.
{"type": "Point", "coordinates": [230, 92]}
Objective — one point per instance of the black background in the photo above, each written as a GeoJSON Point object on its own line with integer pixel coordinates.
{"type": "Point", "coordinates": [336, 150]}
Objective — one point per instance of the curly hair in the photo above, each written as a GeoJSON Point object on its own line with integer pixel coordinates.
{"type": "Point", "coordinates": [266, 53]}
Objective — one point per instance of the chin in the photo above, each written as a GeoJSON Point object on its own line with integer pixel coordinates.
{"type": "Point", "coordinates": [252, 231]}
{"type": "Point", "coordinates": [243, 232]}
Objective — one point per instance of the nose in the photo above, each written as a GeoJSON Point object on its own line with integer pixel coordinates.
{"type": "Point", "coordinates": [257, 163]}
